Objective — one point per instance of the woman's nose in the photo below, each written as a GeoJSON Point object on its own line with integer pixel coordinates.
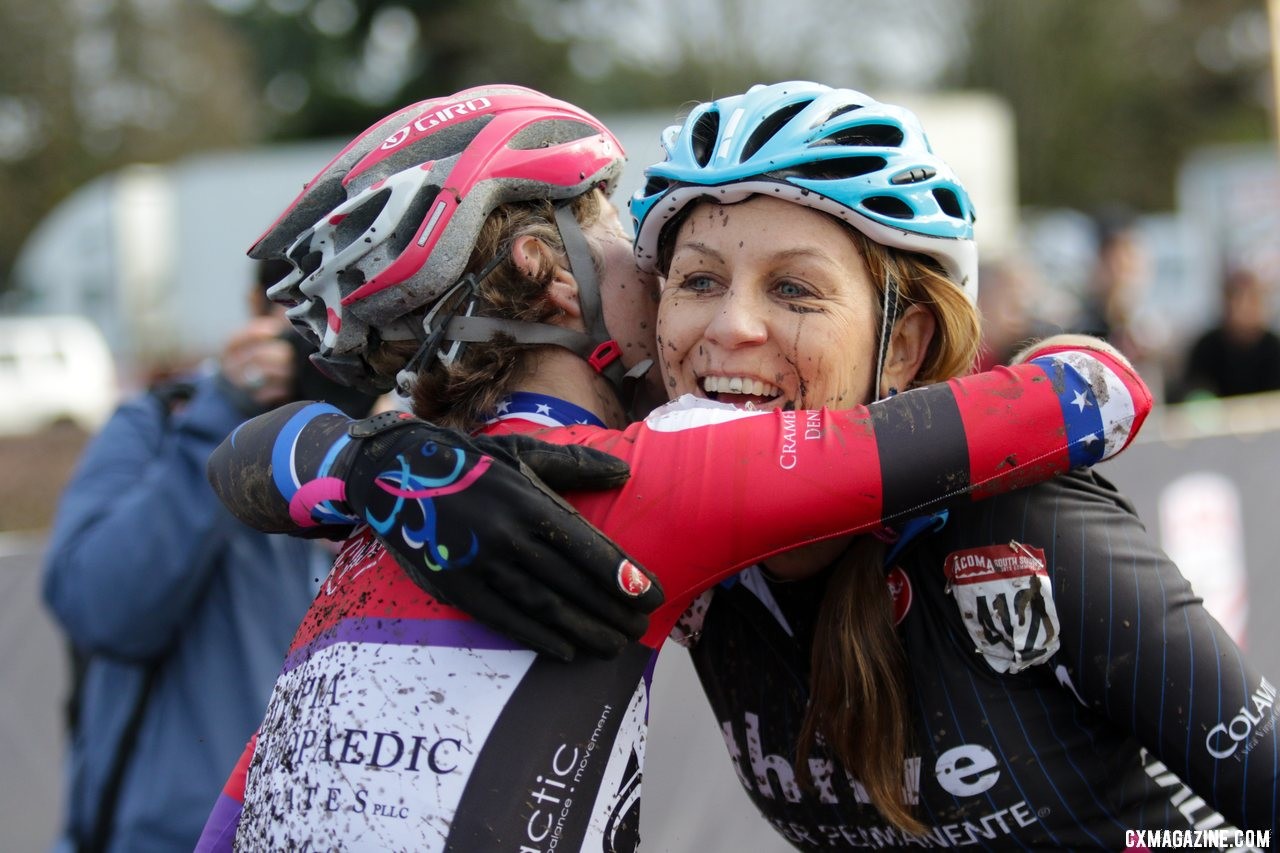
{"type": "Point", "coordinates": [739, 320]}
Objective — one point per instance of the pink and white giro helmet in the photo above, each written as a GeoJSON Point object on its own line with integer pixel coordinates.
{"type": "Point", "coordinates": [389, 225]}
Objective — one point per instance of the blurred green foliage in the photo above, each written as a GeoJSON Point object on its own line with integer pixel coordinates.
{"type": "Point", "coordinates": [1108, 96]}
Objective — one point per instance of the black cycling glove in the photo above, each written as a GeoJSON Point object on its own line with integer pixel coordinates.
{"type": "Point", "coordinates": [473, 521]}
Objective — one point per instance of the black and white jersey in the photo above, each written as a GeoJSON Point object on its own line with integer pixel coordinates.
{"type": "Point", "coordinates": [1066, 685]}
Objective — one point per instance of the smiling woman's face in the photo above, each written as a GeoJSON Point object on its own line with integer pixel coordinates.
{"type": "Point", "coordinates": [767, 302]}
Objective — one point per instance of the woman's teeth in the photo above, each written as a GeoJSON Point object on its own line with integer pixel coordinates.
{"type": "Point", "coordinates": [738, 385]}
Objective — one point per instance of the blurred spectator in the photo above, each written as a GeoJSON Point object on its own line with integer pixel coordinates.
{"type": "Point", "coordinates": [1116, 284]}
{"type": "Point", "coordinates": [1007, 301]}
{"type": "Point", "coordinates": [1240, 355]}
{"type": "Point", "coordinates": [179, 616]}
{"type": "Point", "coordinates": [1114, 293]}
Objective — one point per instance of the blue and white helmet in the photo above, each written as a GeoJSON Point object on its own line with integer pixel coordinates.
{"type": "Point", "coordinates": [835, 150]}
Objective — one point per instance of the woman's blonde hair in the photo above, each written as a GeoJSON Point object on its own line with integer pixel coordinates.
{"type": "Point", "coordinates": [857, 692]}
{"type": "Point", "coordinates": [465, 393]}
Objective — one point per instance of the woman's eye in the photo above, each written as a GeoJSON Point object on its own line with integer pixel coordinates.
{"type": "Point", "coordinates": [791, 289]}
{"type": "Point", "coordinates": [698, 283]}
{"type": "Point", "coordinates": [797, 297]}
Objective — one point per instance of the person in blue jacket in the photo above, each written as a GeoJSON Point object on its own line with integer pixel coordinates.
{"type": "Point", "coordinates": [178, 616]}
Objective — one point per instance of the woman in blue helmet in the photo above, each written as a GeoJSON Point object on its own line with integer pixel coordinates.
{"type": "Point", "coordinates": [797, 311]}
{"type": "Point", "coordinates": [1040, 676]}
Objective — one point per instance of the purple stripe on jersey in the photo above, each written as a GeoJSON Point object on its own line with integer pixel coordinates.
{"type": "Point", "coordinates": [443, 633]}
{"type": "Point", "coordinates": [220, 830]}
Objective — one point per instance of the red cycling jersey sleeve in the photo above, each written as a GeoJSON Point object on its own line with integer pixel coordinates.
{"type": "Point", "coordinates": [714, 488]}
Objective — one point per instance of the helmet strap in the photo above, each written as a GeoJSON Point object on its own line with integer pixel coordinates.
{"type": "Point", "coordinates": [888, 317]}
{"type": "Point", "coordinates": [450, 320]}
{"type": "Point", "coordinates": [437, 321]}
{"type": "Point", "coordinates": [605, 356]}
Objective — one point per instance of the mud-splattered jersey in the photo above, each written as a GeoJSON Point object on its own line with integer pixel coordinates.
{"type": "Point", "coordinates": [398, 723]}
{"type": "Point", "coordinates": [1066, 686]}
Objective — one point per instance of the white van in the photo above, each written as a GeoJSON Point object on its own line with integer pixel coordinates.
{"type": "Point", "coordinates": [54, 369]}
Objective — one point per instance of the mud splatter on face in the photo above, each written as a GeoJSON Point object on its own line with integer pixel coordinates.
{"type": "Point", "coordinates": [777, 297]}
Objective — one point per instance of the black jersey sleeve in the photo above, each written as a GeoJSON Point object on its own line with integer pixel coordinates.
{"type": "Point", "coordinates": [1139, 647]}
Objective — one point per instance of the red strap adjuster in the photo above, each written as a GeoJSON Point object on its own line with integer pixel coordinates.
{"type": "Point", "coordinates": [604, 355]}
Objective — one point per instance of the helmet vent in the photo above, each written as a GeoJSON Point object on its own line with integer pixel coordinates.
{"type": "Point", "coordinates": [837, 168]}
{"type": "Point", "coordinates": [770, 127]}
{"type": "Point", "coordinates": [350, 278]}
{"type": "Point", "coordinates": [440, 144]}
{"type": "Point", "coordinates": [357, 222]}
{"type": "Point", "coordinates": [655, 186]}
{"type": "Point", "coordinates": [948, 202]}
{"type": "Point", "coordinates": [407, 228]}
{"type": "Point", "coordinates": [874, 135]}
{"type": "Point", "coordinates": [703, 138]}
{"type": "Point", "coordinates": [308, 261]}
{"type": "Point", "coordinates": [847, 108]}
{"type": "Point", "coordinates": [886, 205]}
{"type": "Point", "coordinates": [547, 133]}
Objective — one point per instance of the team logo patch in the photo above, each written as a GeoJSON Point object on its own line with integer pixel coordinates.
{"type": "Point", "coordinates": [631, 580]}
{"type": "Point", "coordinates": [1006, 602]}
{"type": "Point", "coordinates": [900, 592]}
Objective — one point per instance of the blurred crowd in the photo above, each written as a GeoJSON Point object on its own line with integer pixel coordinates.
{"type": "Point", "coordinates": [1235, 352]}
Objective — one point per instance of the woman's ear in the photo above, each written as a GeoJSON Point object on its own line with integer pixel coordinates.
{"type": "Point", "coordinates": [534, 258]}
{"type": "Point", "coordinates": [908, 345]}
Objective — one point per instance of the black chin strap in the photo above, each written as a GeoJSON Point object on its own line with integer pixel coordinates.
{"type": "Point", "coordinates": [435, 324]}
{"type": "Point", "coordinates": [480, 329]}
{"type": "Point", "coordinates": [888, 317]}
{"type": "Point", "coordinates": [606, 356]}
{"type": "Point", "coordinates": [451, 321]}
